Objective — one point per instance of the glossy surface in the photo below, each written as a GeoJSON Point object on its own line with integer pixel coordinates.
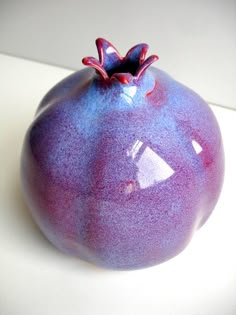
{"type": "Point", "coordinates": [122, 172]}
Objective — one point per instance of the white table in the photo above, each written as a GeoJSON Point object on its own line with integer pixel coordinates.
{"type": "Point", "coordinates": [36, 279]}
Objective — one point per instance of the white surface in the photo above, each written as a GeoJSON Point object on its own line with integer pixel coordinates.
{"type": "Point", "coordinates": [36, 279]}
{"type": "Point", "coordinates": [195, 40]}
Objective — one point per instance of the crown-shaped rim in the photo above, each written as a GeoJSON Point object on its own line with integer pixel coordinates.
{"type": "Point", "coordinates": [111, 65]}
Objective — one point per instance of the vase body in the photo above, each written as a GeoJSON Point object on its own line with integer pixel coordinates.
{"type": "Point", "coordinates": [122, 175]}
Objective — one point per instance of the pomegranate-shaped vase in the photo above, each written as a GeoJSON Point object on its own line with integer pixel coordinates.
{"type": "Point", "coordinates": [122, 164]}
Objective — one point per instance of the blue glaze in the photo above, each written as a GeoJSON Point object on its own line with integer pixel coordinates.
{"type": "Point", "coordinates": [121, 169]}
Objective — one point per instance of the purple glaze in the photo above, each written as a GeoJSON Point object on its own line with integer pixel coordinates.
{"type": "Point", "coordinates": [121, 169]}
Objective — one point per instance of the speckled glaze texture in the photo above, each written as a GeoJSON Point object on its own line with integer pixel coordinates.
{"type": "Point", "coordinates": [122, 164]}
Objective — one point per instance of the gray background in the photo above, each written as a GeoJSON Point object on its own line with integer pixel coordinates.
{"type": "Point", "coordinates": [195, 40]}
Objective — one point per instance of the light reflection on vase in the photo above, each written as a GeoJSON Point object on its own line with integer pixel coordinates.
{"type": "Point", "coordinates": [152, 169]}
